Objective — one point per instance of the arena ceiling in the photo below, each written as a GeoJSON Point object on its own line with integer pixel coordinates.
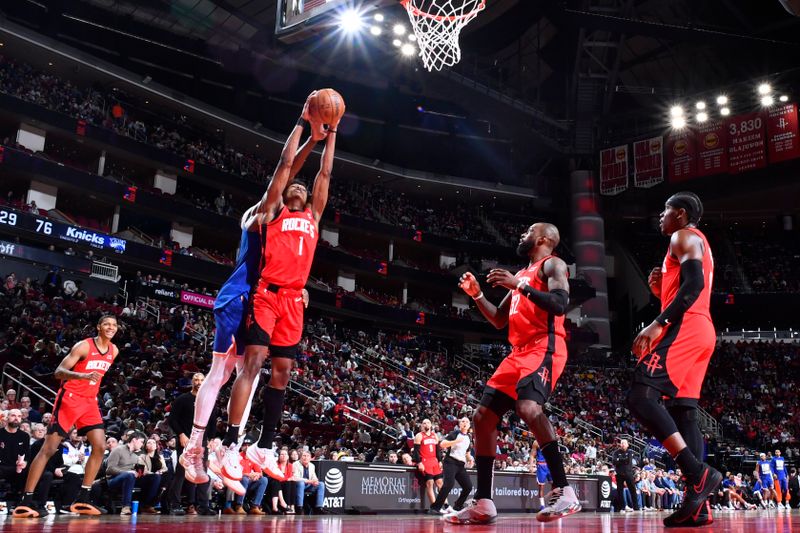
{"type": "Point", "coordinates": [615, 61]}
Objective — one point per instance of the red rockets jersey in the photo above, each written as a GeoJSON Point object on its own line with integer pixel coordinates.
{"type": "Point", "coordinates": [290, 246]}
{"type": "Point", "coordinates": [96, 361]}
{"type": "Point", "coordinates": [526, 321]}
{"type": "Point", "coordinates": [427, 446]}
{"type": "Point", "coordinates": [671, 279]}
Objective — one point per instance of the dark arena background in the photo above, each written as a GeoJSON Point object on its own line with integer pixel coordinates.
{"type": "Point", "coordinates": [135, 134]}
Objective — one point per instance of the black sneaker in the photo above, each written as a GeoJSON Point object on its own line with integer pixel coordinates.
{"type": "Point", "coordinates": [694, 509]}
{"type": "Point", "coordinates": [29, 508]}
{"type": "Point", "coordinates": [83, 505]}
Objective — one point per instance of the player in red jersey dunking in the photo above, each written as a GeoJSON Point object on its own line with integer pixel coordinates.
{"type": "Point", "coordinates": [534, 310]}
{"type": "Point", "coordinates": [426, 454]}
{"type": "Point", "coordinates": [76, 405]}
{"type": "Point", "coordinates": [290, 220]}
{"type": "Point", "coordinates": [673, 355]}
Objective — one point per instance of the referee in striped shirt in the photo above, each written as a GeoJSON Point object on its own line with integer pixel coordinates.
{"type": "Point", "coordinates": [457, 444]}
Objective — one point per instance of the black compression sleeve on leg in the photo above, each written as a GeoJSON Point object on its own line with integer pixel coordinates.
{"type": "Point", "coordinates": [643, 402]}
{"type": "Point", "coordinates": [555, 463]}
{"type": "Point", "coordinates": [273, 409]}
{"type": "Point", "coordinates": [685, 418]}
{"type": "Point", "coordinates": [692, 284]}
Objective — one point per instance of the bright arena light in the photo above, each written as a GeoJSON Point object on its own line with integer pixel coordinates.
{"type": "Point", "coordinates": [764, 89]}
{"type": "Point", "coordinates": [399, 29]}
{"type": "Point", "coordinates": [725, 111]}
{"type": "Point", "coordinates": [767, 100]}
{"type": "Point", "coordinates": [784, 98]}
{"type": "Point", "coordinates": [397, 43]}
{"type": "Point", "coordinates": [702, 116]}
{"type": "Point", "coordinates": [350, 21]}
{"type": "Point", "coordinates": [378, 17]}
{"type": "Point", "coordinates": [700, 106]}
{"type": "Point", "coordinates": [375, 30]}
{"type": "Point", "coordinates": [412, 37]}
{"type": "Point", "coordinates": [408, 50]}
{"type": "Point", "coordinates": [676, 111]}
{"type": "Point", "coordinates": [678, 122]}
{"type": "Point", "coordinates": [722, 99]}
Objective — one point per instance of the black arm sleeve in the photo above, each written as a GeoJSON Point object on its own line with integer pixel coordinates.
{"type": "Point", "coordinates": [415, 453]}
{"type": "Point", "coordinates": [555, 301]}
{"type": "Point", "coordinates": [691, 286]}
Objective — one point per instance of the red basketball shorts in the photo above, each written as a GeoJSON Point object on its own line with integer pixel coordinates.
{"type": "Point", "coordinates": [432, 468]}
{"type": "Point", "coordinates": [677, 365]}
{"type": "Point", "coordinates": [276, 319]}
{"type": "Point", "coordinates": [529, 372]}
{"type": "Point", "coordinates": [71, 409]}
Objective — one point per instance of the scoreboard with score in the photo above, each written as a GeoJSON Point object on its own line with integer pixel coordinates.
{"type": "Point", "coordinates": [11, 218]}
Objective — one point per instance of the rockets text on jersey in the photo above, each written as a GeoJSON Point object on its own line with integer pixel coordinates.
{"type": "Point", "coordinates": [290, 245]}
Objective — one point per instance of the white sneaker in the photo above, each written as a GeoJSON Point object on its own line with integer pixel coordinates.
{"type": "Point", "coordinates": [192, 462]}
{"type": "Point", "coordinates": [480, 511]}
{"type": "Point", "coordinates": [230, 470]}
{"type": "Point", "coordinates": [628, 509]}
{"type": "Point", "coordinates": [266, 460]}
{"type": "Point", "coordinates": [780, 506]}
{"type": "Point", "coordinates": [560, 503]}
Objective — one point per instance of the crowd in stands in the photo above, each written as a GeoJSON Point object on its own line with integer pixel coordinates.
{"type": "Point", "coordinates": [360, 395]}
{"type": "Point", "coordinates": [751, 388]}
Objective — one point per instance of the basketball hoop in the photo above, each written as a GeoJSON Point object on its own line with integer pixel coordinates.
{"type": "Point", "coordinates": [437, 25]}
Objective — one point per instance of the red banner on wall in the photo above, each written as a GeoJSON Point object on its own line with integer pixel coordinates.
{"type": "Point", "coordinates": [681, 155]}
{"type": "Point", "coordinates": [648, 162]}
{"type": "Point", "coordinates": [782, 133]}
{"type": "Point", "coordinates": [614, 170]}
{"type": "Point", "coordinates": [711, 140]}
{"type": "Point", "coordinates": [747, 146]}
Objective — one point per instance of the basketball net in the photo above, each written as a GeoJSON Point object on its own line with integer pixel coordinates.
{"type": "Point", "coordinates": [437, 25]}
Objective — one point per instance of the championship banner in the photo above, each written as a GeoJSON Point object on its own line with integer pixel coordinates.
{"type": "Point", "coordinates": [782, 133]}
{"type": "Point", "coordinates": [681, 155]}
{"type": "Point", "coordinates": [712, 148]}
{"type": "Point", "coordinates": [747, 148]}
{"type": "Point", "coordinates": [648, 162]}
{"type": "Point", "coordinates": [614, 170]}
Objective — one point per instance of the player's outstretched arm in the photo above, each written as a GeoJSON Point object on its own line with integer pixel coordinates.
{"type": "Point", "coordinates": [64, 371]}
{"type": "Point", "coordinates": [301, 156]}
{"type": "Point", "coordinates": [319, 196]}
{"type": "Point", "coordinates": [497, 316]}
{"type": "Point", "coordinates": [273, 198]}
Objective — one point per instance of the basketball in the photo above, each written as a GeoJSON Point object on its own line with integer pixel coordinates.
{"type": "Point", "coordinates": [327, 107]}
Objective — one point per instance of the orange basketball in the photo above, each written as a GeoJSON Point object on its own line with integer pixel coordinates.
{"type": "Point", "coordinates": [327, 107]}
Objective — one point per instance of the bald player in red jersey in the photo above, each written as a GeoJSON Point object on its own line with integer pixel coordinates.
{"type": "Point", "coordinates": [426, 454]}
{"type": "Point", "coordinates": [534, 310]}
{"type": "Point", "coordinates": [290, 220]}
{"type": "Point", "coordinates": [673, 354]}
{"type": "Point", "coordinates": [76, 405]}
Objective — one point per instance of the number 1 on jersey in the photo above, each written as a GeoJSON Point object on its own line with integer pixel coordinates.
{"type": "Point", "coordinates": [300, 249]}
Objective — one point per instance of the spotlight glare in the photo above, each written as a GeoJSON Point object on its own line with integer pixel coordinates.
{"type": "Point", "coordinates": [700, 106]}
{"type": "Point", "coordinates": [378, 17]}
{"type": "Point", "coordinates": [725, 111]}
{"type": "Point", "coordinates": [702, 116]}
{"type": "Point", "coordinates": [764, 89]}
{"type": "Point", "coordinates": [678, 123]}
{"type": "Point", "coordinates": [350, 21]}
{"type": "Point", "coordinates": [767, 100]}
{"type": "Point", "coordinates": [676, 111]}
{"type": "Point", "coordinates": [722, 99]}
{"type": "Point", "coordinates": [375, 30]}
{"type": "Point", "coordinates": [412, 37]}
{"type": "Point", "coordinates": [397, 43]}
{"type": "Point", "coordinates": [408, 50]}
{"type": "Point", "coordinates": [784, 98]}
{"type": "Point", "coordinates": [399, 29]}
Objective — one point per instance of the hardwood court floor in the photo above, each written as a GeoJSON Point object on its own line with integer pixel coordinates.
{"type": "Point", "coordinates": [734, 522]}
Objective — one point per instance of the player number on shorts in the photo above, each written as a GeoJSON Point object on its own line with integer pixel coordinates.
{"type": "Point", "coordinates": [300, 248]}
